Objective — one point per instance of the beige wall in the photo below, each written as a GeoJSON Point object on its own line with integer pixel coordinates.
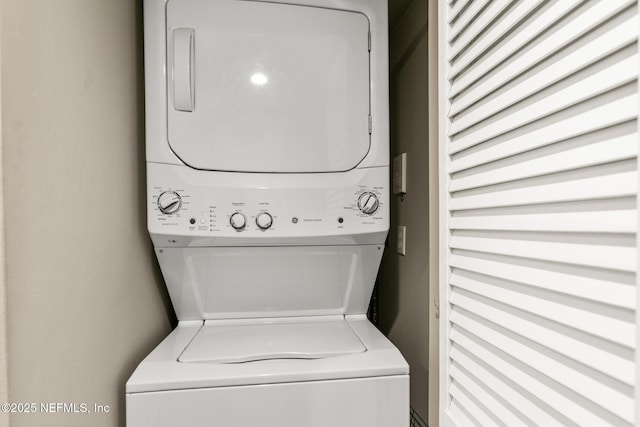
{"type": "Point", "coordinates": [85, 299]}
{"type": "Point", "coordinates": [4, 389]}
{"type": "Point", "coordinates": [403, 282]}
{"type": "Point", "coordinates": [4, 385]}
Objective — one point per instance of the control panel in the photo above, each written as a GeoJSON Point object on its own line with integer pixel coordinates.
{"type": "Point", "coordinates": [226, 205]}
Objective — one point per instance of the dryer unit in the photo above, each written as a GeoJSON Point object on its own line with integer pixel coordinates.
{"type": "Point", "coordinates": [268, 206]}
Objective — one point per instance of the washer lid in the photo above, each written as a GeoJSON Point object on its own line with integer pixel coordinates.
{"type": "Point", "coordinates": [251, 342]}
{"type": "Point", "coordinates": [267, 87]}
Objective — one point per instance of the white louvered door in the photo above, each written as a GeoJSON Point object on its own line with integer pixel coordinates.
{"type": "Point", "coordinates": [539, 146]}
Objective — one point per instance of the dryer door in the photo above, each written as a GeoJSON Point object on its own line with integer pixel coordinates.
{"type": "Point", "coordinates": [267, 87]}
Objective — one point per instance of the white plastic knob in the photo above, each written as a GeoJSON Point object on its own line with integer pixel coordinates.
{"type": "Point", "coordinates": [169, 202]}
{"type": "Point", "coordinates": [238, 221]}
{"type": "Point", "coordinates": [368, 203]}
{"type": "Point", "coordinates": [264, 220]}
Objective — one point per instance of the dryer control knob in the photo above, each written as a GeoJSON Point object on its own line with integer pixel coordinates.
{"type": "Point", "coordinates": [238, 221]}
{"type": "Point", "coordinates": [169, 202]}
{"type": "Point", "coordinates": [368, 203]}
{"type": "Point", "coordinates": [264, 220]}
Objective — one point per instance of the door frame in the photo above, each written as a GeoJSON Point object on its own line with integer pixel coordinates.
{"type": "Point", "coordinates": [434, 212]}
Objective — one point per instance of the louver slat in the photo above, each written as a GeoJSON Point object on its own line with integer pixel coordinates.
{"type": "Point", "coordinates": [600, 325]}
{"type": "Point", "coordinates": [541, 391]}
{"type": "Point", "coordinates": [601, 82]}
{"type": "Point", "coordinates": [533, 55]}
{"type": "Point", "coordinates": [495, 33]}
{"type": "Point", "coordinates": [607, 287]}
{"type": "Point", "coordinates": [526, 33]}
{"type": "Point", "coordinates": [503, 387]}
{"type": "Point", "coordinates": [467, 15]}
{"type": "Point", "coordinates": [599, 187]}
{"type": "Point", "coordinates": [618, 37]}
{"type": "Point", "coordinates": [456, 9]}
{"type": "Point", "coordinates": [501, 411]}
{"type": "Point", "coordinates": [595, 255]}
{"type": "Point", "coordinates": [594, 391]}
{"type": "Point", "coordinates": [562, 157]}
{"type": "Point", "coordinates": [622, 110]}
{"type": "Point", "coordinates": [474, 30]}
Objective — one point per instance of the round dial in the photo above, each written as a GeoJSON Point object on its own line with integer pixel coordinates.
{"type": "Point", "coordinates": [368, 203]}
{"type": "Point", "coordinates": [238, 221]}
{"type": "Point", "coordinates": [169, 202]}
{"type": "Point", "coordinates": [264, 220]}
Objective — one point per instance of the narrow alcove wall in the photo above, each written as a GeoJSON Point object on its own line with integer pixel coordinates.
{"type": "Point", "coordinates": [403, 283]}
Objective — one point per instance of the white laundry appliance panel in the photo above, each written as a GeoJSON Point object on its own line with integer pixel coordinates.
{"type": "Point", "coordinates": [258, 282]}
{"type": "Point", "coordinates": [327, 121]}
{"type": "Point", "coordinates": [161, 370]}
{"type": "Point", "coordinates": [371, 402]}
{"type": "Point", "coordinates": [265, 109]}
{"type": "Point", "coordinates": [267, 87]}
{"type": "Point", "coordinates": [320, 256]}
{"type": "Point", "coordinates": [249, 341]}
{"type": "Point", "coordinates": [366, 388]}
{"type": "Point", "coordinates": [305, 209]}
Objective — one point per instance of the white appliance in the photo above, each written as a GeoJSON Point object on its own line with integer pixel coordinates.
{"type": "Point", "coordinates": [268, 206]}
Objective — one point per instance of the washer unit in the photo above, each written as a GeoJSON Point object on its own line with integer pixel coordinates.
{"type": "Point", "coordinates": [268, 206]}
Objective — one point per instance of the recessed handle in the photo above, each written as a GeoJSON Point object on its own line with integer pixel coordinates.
{"type": "Point", "coordinates": [184, 69]}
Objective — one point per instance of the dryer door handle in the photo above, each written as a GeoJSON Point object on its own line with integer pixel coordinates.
{"type": "Point", "coordinates": [184, 69]}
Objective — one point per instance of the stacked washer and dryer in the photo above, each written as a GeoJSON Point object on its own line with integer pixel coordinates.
{"type": "Point", "coordinates": [268, 206]}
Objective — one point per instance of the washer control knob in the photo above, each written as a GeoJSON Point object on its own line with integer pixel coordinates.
{"type": "Point", "coordinates": [238, 221]}
{"type": "Point", "coordinates": [169, 202]}
{"type": "Point", "coordinates": [368, 203]}
{"type": "Point", "coordinates": [264, 220]}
